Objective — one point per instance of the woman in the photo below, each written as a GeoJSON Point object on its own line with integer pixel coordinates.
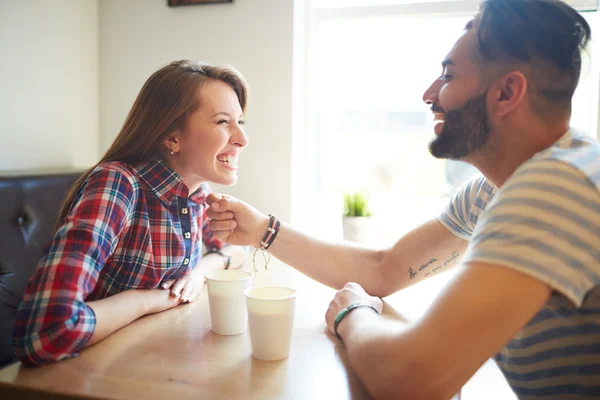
{"type": "Point", "coordinates": [136, 220]}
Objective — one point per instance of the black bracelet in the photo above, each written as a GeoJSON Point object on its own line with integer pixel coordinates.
{"type": "Point", "coordinates": [271, 233]}
{"type": "Point", "coordinates": [342, 314]}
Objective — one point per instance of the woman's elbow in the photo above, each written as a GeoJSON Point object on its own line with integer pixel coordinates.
{"type": "Point", "coordinates": [35, 349]}
{"type": "Point", "coordinates": [53, 341]}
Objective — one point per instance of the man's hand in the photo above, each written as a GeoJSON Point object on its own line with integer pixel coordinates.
{"type": "Point", "coordinates": [186, 288]}
{"type": "Point", "coordinates": [351, 293]}
{"type": "Point", "coordinates": [236, 222]}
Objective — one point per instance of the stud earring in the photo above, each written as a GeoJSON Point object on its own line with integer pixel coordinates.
{"type": "Point", "coordinates": [172, 152]}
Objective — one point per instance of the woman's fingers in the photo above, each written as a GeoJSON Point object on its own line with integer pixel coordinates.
{"type": "Point", "coordinates": [167, 284]}
{"type": "Point", "coordinates": [196, 293]}
{"type": "Point", "coordinates": [177, 287]}
{"type": "Point", "coordinates": [187, 290]}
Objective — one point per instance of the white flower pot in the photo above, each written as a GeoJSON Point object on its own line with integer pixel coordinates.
{"type": "Point", "coordinates": [357, 229]}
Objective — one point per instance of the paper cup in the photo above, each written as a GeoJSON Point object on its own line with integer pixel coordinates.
{"type": "Point", "coordinates": [271, 320]}
{"type": "Point", "coordinates": [228, 312]}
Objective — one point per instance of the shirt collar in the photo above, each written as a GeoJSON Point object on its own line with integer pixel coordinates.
{"type": "Point", "coordinates": [563, 142]}
{"type": "Point", "coordinates": [199, 196]}
{"type": "Point", "coordinates": [167, 184]}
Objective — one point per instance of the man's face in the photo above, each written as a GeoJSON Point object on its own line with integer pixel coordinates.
{"type": "Point", "coordinates": [459, 104]}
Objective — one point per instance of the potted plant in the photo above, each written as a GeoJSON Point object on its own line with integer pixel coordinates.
{"type": "Point", "coordinates": [356, 219]}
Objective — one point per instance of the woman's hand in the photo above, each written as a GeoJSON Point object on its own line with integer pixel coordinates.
{"type": "Point", "coordinates": [158, 300]}
{"type": "Point", "coordinates": [236, 222]}
{"type": "Point", "coordinates": [186, 288]}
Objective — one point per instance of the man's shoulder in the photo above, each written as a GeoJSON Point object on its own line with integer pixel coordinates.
{"type": "Point", "coordinates": [575, 157]}
{"type": "Point", "coordinates": [478, 189]}
{"type": "Point", "coordinates": [576, 149]}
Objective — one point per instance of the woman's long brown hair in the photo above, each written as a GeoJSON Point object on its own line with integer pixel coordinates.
{"type": "Point", "coordinates": [163, 105]}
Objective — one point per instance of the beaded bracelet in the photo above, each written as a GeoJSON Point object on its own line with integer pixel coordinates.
{"type": "Point", "coordinates": [342, 314]}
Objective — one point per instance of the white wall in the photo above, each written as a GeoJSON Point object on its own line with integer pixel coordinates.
{"type": "Point", "coordinates": [139, 36]}
{"type": "Point", "coordinates": [48, 83]}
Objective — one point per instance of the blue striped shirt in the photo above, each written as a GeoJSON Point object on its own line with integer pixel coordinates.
{"type": "Point", "coordinates": [544, 222]}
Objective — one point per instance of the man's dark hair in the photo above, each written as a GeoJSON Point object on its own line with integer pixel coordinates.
{"type": "Point", "coordinates": [548, 35]}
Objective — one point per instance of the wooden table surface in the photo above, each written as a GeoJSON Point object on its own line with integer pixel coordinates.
{"type": "Point", "coordinates": [175, 355]}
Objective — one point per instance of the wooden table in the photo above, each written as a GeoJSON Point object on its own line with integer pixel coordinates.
{"type": "Point", "coordinates": [175, 355]}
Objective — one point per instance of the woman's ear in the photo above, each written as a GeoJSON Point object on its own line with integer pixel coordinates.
{"type": "Point", "coordinates": [172, 142]}
{"type": "Point", "coordinates": [511, 91]}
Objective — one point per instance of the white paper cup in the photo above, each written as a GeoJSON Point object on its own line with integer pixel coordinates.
{"type": "Point", "coordinates": [228, 312]}
{"type": "Point", "coordinates": [271, 320]}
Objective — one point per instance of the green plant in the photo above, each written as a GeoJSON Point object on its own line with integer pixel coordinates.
{"type": "Point", "coordinates": [356, 205]}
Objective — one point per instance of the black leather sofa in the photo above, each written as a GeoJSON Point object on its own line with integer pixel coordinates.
{"type": "Point", "coordinates": [29, 204]}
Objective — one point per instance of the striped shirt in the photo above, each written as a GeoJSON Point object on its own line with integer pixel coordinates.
{"type": "Point", "coordinates": [544, 222]}
{"type": "Point", "coordinates": [129, 228]}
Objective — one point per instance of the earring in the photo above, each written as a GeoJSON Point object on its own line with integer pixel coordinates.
{"type": "Point", "coordinates": [172, 152]}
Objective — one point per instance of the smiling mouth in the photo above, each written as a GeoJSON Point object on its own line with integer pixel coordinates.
{"type": "Point", "coordinates": [439, 120]}
{"type": "Point", "coordinates": [229, 160]}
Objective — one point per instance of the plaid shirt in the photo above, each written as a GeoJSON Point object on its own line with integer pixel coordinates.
{"type": "Point", "coordinates": [129, 228]}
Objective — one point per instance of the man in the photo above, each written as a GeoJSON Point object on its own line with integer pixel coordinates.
{"type": "Point", "coordinates": [526, 233]}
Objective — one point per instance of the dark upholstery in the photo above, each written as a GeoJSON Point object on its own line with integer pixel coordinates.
{"type": "Point", "coordinates": [29, 205]}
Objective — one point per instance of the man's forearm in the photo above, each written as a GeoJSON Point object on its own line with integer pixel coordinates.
{"type": "Point", "coordinates": [403, 361]}
{"type": "Point", "coordinates": [424, 252]}
{"type": "Point", "coordinates": [333, 264]}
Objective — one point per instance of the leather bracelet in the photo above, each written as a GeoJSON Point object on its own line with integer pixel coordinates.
{"type": "Point", "coordinates": [342, 314]}
{"type": "Point", "coordinates": [271, 233]}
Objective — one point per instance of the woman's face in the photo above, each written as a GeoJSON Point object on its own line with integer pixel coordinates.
{"type": "Point", "coordinates": [207, 150]}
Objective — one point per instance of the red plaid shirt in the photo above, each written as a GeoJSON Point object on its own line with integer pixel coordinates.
{"type": "Point", "coordinates": [129, 228]}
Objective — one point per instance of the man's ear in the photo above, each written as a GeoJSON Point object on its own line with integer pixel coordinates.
{"type": "Point", "coordinates": [171, 142]}
{"type": "Point", "coordinates": [510, 92]}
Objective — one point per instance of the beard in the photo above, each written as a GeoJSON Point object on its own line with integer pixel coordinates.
{"type": "Point", "coordinates": [466, 130]}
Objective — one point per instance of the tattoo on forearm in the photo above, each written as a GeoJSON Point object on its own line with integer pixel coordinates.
{"type": "Point", "coordinates": [452, 259]}
{"type": "Point", "coordinates": [413, 274]}
{"type": "Point", "coordinates": [427, 264]}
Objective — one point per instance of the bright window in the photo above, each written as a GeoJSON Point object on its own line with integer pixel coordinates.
{"type": "Point", "coordinates": [369, 64]}
{"type": "Point", "coordinates": [361, 69]}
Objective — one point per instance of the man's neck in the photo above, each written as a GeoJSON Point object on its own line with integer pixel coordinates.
{"type": "Point", "coordinates": [509, 149]}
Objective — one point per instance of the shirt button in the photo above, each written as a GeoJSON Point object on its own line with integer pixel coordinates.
{"type": "Point", "coordinates": [187, 235]}
{"type": "Point", "coordinates": [184, 211]}
{"type": "Point", "coordinates": [186, 261]}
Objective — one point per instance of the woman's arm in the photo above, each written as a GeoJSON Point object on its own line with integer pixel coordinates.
{"type": "Point", "coordinates": [53, 321]}
{"type": "Point", "coordinates": [115, 312]}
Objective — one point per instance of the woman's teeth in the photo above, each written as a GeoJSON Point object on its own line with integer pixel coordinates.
{"type": "Point", "coordinates": [229, 160]}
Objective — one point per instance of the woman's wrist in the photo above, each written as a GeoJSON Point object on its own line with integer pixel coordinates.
{"type": "Point", "coordinates": [146, 300]}
{"type": "Point", "coordinates": [223, 260]}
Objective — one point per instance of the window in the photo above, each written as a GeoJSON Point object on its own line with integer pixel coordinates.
{"type": "Point", "coordinates": [361, 69]}
{"type": "Point", "coordinates": [367, 65]}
